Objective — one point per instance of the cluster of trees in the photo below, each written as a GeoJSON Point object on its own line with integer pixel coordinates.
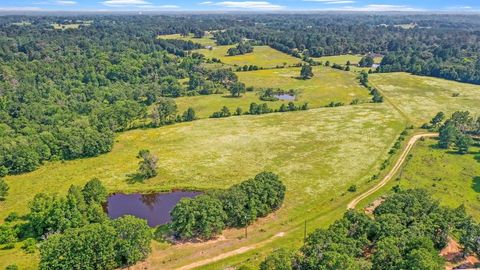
{"type": "Point", "coordinates": [376, 95]}
{"type": "Point", "coordinates": [407, 232]}
{"type": "Point", "coordinates": [207, 215]}
{"type": "Point", "coordinates": [165, 113]}
{"type": "Point", "coordinates": [248, 68]}
{"type": "Point", "coordinates": [306, 72]}
{"type": "Point", "coordinates": [241, 48]}
{"type": "Point", "coordinates": [256, 109]}
{"type": "Point", "coordinates": [440, 46]}
{"type": "Point", "coordinates": [366, 61]}
{"type": "Point", "coordinates": [75, 233]}
{"type": "Point", "coordinates": [456, 131]}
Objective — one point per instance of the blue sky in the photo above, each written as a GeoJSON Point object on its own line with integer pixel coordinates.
{"type": "Point", "coordinates": [234, 5]}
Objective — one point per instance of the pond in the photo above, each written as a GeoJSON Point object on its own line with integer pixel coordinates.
{"type": "Point", "coordinates": [155, 207]}
{"type": "Point", "coordinates": [285, 97]}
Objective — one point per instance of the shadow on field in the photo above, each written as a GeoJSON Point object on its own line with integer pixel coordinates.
{"type": "Point", "coordinates": [134, 178]}
{"type": "Point", "coordinates": [476, 183]}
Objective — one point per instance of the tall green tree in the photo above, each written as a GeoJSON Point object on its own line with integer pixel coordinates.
{"type": "Point", "coordinates": [202, 217]}
{"type": "Point", "coordinates": [147, 167]}
{"type": "Point", "coordinates": [306, 72]}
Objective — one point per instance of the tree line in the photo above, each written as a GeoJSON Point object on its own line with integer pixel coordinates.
{"type": "Point", "coordinates": [74, 232]}
{"type": "Point", "coordinates": [207, 215]}
{"type": "Point", "coordinates": [407, 231]}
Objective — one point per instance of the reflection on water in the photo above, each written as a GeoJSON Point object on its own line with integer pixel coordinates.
{"type": "Point", "coordinates": [155, 207]}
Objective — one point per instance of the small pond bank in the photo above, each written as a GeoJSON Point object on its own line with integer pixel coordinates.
{"type": "Point", "coordinates": [153, 207]}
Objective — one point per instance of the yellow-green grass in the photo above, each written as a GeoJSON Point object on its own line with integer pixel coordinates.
{"type": "Point", "coordinates": [326, 86]}
{"type": "Point", "coordinates": [318, 154]}
{"type": "Point", "coordinates": [262, 56]}
{"type": "Point", "coordinates": [451, 178]}
{"type": "Point", "coordinates": [207, 40]}
{"type": "Point", "coordinates": [22, 23]}
{"type": "Point", "coordinates": [59, 26]}
{"type": "Point", "coordinates": [344, 58]}
{"type": "Point", "coordinates": [420, 98]}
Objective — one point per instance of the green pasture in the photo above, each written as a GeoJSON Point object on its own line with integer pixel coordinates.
{"type": "Point", "coordinates": [344, 58]}
{"type": "Point", "coordinates": [326, 86]}
{"type": "Point", "coordinates": [318, 153]}
{"type": "Point", "coordinates": [207, 40]}
{"type": "Point", "coordinates": [420, 98]}
{"type": "Point", "coordinates": [262, 56]}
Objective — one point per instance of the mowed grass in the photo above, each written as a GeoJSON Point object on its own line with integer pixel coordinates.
{"type": "Point", "coordinates": [262, 56]}
{"type": "Point", "coordinates": [452, 178]}
{"type": "Point", "coordinates": [207, 40]}
{"type": "Point", "coordinates": [318, 154]}
{"type": "Point", "coordinates": [326, 86]}
{"type": "Point", "coordinates": [420, 98]}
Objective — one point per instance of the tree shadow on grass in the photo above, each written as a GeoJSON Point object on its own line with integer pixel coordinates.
{"type": "Point", "coordinates": [476, 184]}
{"type": "Point", "coordinates": [134, 178]}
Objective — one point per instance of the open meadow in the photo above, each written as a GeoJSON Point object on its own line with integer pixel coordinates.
{"type": "Point", "coordinates": [420, 98]}
{"type": "Point", "coordinates": [344, 58]}
{"type": "Point", "coordinates": [318, 154]}
{"type": "Point", "coordinates": [262, 56]}
{"type": "Point", "coordinates": [207, 40]}
{"type": "Point", "coordinates": [326, 86]}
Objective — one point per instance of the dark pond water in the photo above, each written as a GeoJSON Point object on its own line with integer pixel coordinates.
{"type": "Point", "coordinates": [285, 97]}
{"type": "Point", "coordinates": [155, 207]}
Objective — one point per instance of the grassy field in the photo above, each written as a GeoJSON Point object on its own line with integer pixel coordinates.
{"type": "Point", "coordinates": [207, 40]}
{"type": "Point", "coordinates": [451, 178]}
{"type": "Point", "coordinates": [262, 56]}
{"type": "Point", "coordinates": [326, 86]}
{"type": "Point", "coordinates": [420, 98]}
{"type": "Point", "coordinates": [318, 153]}
{"type": "Point", "coordinates": [344, 58]}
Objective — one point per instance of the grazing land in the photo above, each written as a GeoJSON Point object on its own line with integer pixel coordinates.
{"type": "Point", "coordinates": [326, 86]}
{"type": "Point", "coordinates": [452, 178]}
{"type": "Point", "coordinates": [318, 154]}
{"type": "Point", "coordinates": [262, 56]}
{"type": "Point", "coordinates": [420, 98]}
{"type": "Point", "coordinates": [344, 58]}
{"type": "Point", "coordinates": [207, 40]}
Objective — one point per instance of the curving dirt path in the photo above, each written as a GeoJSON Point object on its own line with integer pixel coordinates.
{"type": "Point", "coordinates": [393, 171]}
{"type": "Point", "coordinates": [230, 253]}
{"type": "Point", "coordinates": [351, 205]}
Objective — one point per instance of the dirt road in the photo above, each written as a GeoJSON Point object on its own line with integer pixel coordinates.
{"type": "Point", "coordinates": [351, 205]}
{"type": "Point", "coordinates": [230, 253]}
{"type": "Point", "coordinates": [393, 171]}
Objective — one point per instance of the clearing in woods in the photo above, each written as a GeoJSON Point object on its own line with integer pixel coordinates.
{"type": "Point", "coordinates": [420, 98]}
{"type": "Point", "coordinates": [318, 154]}
{"type": "Point", "coordinates": [262, 56]}
{"type": "Point", "coordinates": [326, 86]}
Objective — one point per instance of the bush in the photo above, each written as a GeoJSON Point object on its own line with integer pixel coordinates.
{"type": "Point", "coordinates": [202, 217]}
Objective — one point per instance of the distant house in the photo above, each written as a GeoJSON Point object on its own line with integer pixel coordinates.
{"type": "Point", "coordinates": [208, 47]}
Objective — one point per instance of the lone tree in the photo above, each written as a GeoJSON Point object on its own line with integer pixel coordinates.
{"type": "Point", "coordinates": [306, 72]}
{"type": "Point", "coordinates": [147, 167]}
{"type": "Point", "coordinates": [3, 189]}
{"type": "Point", "coordinates": [237, 89]}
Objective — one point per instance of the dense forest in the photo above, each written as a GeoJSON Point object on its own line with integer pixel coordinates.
{"type": "Point", "coordinates": [64, 93]}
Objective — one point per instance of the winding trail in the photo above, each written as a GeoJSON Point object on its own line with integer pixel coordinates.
{"type": "Point", "coordinates": [393, 171]}
{"type": "Point", "coordinates": [225, 255]}
{"type": "Point", "coordinates": [351, 205]}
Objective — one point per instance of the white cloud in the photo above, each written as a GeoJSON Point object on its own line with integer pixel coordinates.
{"type": "Point", "coordinates": [249, 5]}
{"type": "Point", "coordinates": [380, 8]}
{"type": "Point", "coordinates": [123, 3]}
{"type": "Point", "coordinates": [331, 1]}
{"type": "Point", "coordinates": [20, 9]}
{"type": "Point", "coordinates": [64, 2]}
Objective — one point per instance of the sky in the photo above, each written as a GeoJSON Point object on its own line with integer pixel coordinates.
{"type": "Point", "coordinates": [240, 5]}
